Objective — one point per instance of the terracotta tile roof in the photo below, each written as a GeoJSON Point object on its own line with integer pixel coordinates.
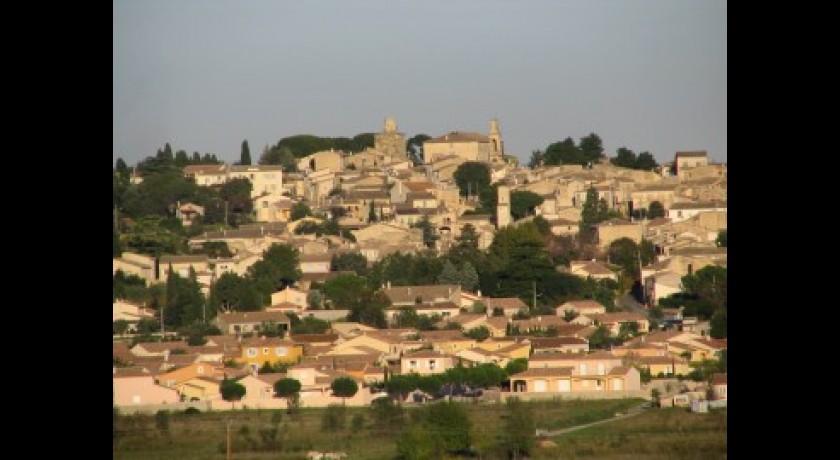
{"type": "Point", "coordinates": [693, 153]}
{"type": "Point", "coordinates": [464, 318]}
{"type": "Point", "coordinates": [503, 302]}
{"type": "Point", "coordinates": [444, 335]}
{"type": "Point", "coordinates": [554, 342]}
{"type": "Point", "coordinates": [191, 170]}
{"type": "Point", "coordinates": [618, 370]}
{"type": "Point", "coordinates": [719, 378]}
{"type": "Point", "coordinates": [314, 338]}
{"type": "Point", "coordinates": [182, 259]}
{"type": "Point", "coordinates": [425, 354]}
{"type": "Point", "coordinates": [409, 294]}
{"type": "Point", "coordinates": [544, 372]}
{"type": "Point", "coordinates": [457, 136]}
{"type": "Point", "coordinates": [418, 186]}
{"type": "Point", "coordinates": [617, 317]}
{"type": "Point", "coordinates": [133, 371]}
{"type": "Point", "coordinates": [270, 379]}
{"type": "Point", "coordinates": [267, 342]}
{"type": "Point", "coordinates": [498, 322]}
{"type": "Point", "coordinates": [573, 356]}
{"type": "Point", "coordinates": [586, 303]}
{"type": "Point", "coordinates": [251, 317]}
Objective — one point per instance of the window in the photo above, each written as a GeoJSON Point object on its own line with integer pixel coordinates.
{"type": "Point", "coordinates": [200, 369]}
{"type": "Point", "coordinates": [281, 351]}
{"type": "Point", "coordinates": [252, 352]}
{"type": "Point", "coordinates": [412, 364]}
{"type": "Point", "coordinates": [265, 351]}
{"type": "Point", "coordinates": [252, 177]}
{"type": "Point", "coordinates": [432, 364]}
{"type": "Point", "coordinates": [265, 204]}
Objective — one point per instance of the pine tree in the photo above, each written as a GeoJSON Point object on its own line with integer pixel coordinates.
{"type": "Point", "coordinates": [449, 274]}
{"type": "Point", "coordinates": [245, 156]}
{"type": "Point", "coordinates": [469, 277]}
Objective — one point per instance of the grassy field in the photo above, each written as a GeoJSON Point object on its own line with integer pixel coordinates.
{"type": "Point", "coordinates": [658, 434]}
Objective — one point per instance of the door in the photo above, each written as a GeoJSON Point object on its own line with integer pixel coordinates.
{"type": "Point", "coordinates": [539, 386]}
{"type": "Point", "coordinates": [564, 386]}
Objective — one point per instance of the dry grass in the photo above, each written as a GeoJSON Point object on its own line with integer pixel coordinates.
{"type": "Point", "coordinates": [666, 433]}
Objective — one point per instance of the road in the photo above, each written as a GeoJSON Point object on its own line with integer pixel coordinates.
{"type": "Point", "coordinates": [633, 411]}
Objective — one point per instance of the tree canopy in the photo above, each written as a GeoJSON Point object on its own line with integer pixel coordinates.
{"type": "Point", "coordinates": [472, 177]}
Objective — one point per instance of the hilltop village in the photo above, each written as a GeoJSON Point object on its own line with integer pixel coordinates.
{"type": "Point", "coordinates": [416, 269]}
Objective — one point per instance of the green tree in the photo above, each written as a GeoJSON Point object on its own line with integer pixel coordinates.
{"type": "Point", "coordinates": [237, 194]}
{"type": "Point", "coordinates": [344, 387]}
{"type": "Point", "coordinates": [245, 154]}
{"type": "Point", "coordinates": [162, 421]}
{"type": "Point", "coordinates": [718, 324]}
{"type": "Point", "coordinates": [233, 292]}
{"type": "Point", "coordinates": [523, 203]}
{"type": "Point", "coordinates": [624, 158]}
{"type": "Point", "coordinates": [399, 386]}
{"type": "Point", "coordinates": [707, 284]}
{"type": "Point", "coordinates": [720, 241]}
{"type": "Point", "coordinates": [625, 253]}
{"type": "Point", "coordinates": [519, 427]}
{"type": "Point", "coordinates": [429, 235]}
{"type": "Point", "coordinates": [452, 422]}
{"type": "Point", "coordinates": [314, 299]}
{"type": "Point", "coordinates": [516, 366]}
{"type": "Point", "coordinates": [350, 261]}
{"type": "Point", "coordinates": [589, 215]}
{"type": "Point", "coordinates": [472, 177]}
{"type": "Point", "coordinates": [479, 333]}
{"type": "Point", "coordinates": [537, 159]}
{"type": "Point", "coordinates": [414, 148]}
{"type": "Point", "coordinates": [419, 443]}
{"type": "Point", "coordinates": [121, 168]}
{"type": "Point", "coordinates": [655, 210]}
{"type": "Point", "coordinates": [232, 391]}
{"type": "Point", "coordinates": [564, 152]}
{"type": "Point", "coordinates": [449, 274]}
{"type": "Point", "coordinates": [372, 213]}
{"type": "Point", "coordinates": [601, 338]}
{"type": "Point", "coordinates": [278, 268]}
{"type": "Point", "coordinates": [300, 210]}
{"type": "Point", "coordinates": [469, 277]}
{"type": "Point", "coordinates": [591, 147]}
{"type": "Point", "coordinates": [287, 388]}
{"type": "Point", "coordinates": [334, 418]}
{"type": "Point", "coordinates": [646, 162]}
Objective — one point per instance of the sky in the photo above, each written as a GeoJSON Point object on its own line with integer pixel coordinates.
{"type": "Point", "coordinates": [204, 75]}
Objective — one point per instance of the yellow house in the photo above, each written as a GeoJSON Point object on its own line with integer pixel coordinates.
{"type": "Point", "coordinates": [257, 352]}
{"type": "Point", "coordinates": [199, 388]}
{"type": "Point", "coordinates": [448, 341]}
{"type": "Point", "coordinates": [516, 350]}
{"type": "Point", "coordinates": [182, 374]}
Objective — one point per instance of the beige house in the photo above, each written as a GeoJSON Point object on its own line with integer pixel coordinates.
{"type": "Point", "coordinates": [136, 264]}
{"type": "Point", "coordinates": [425, 362]}
{"type": "Point", "coordinates": [581, 307]}
{"type": "Point", "coordinates": [593, 268]}
{"type": "Point", "coordinates": [564, 380]}
{"type": "Point", "coordinates": [509, 305]}
{"type": "Point", "coordinates": [265, 179]}
{"type": "Point", "coordinates": [432, 294]}
{"type": "Point", "coordinates": [250, 321]}
{"type": "Point", "coordinates": [647, 194]}
{"type": "Point", "coordinates": [467, 146]}
{"type": "Point", "coordinates": [131, 312]}
{"type": "Point", "coordinates": [327, 159]}
{"type": "Point", "coordinates": [719, 386]}
{"type": "Point", "coordinates": [684, 161]}
{"type": "Point", "coordinates": [206, 175]}
{"type": "Point", "coordinates": [679, 212]}
{"type": "Point", "coordinates": [290, 295]}
{"type": "Point", "coordinates": [661, 285]}
{"type": "Point", "coordinates": [614, 229]}
{"type": "Point", "coordinates": [181, 265]}
{"type": "Point", "coordinates": [613, 321]}
{"type": "Point", "coordinates": [559, 345]}
{"type": "Point", "coordinates": [188, 213]}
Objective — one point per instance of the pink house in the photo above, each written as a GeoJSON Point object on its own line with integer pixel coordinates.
{"type": "Point", "coordinates": [135, 386]}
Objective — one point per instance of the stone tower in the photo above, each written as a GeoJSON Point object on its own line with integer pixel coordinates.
{"type": "Point", "coordinates": [503, 207]}
{"type": "Point", "coordinates": [497, 148]}
{"type": "Point", "coordinates": [390, 141]}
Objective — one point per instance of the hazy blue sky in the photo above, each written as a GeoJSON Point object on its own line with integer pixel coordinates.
{"type": "Point", "coordinates": [203, 74]}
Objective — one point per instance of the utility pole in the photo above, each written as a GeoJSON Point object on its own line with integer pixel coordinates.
{"type": "Point", "coordinates": [534, 284]}
{"type": "Point", "coordinates": [228, 440]}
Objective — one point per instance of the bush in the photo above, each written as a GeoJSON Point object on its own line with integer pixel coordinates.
{"type": "Point", "coordinates": [358, 422]}
{"type": "Point", "coordinates": [334, 418]}
{"type": "Point", "coordinates": [191, 411]}
{"type": "Point", "coordinates": [162, 421]}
